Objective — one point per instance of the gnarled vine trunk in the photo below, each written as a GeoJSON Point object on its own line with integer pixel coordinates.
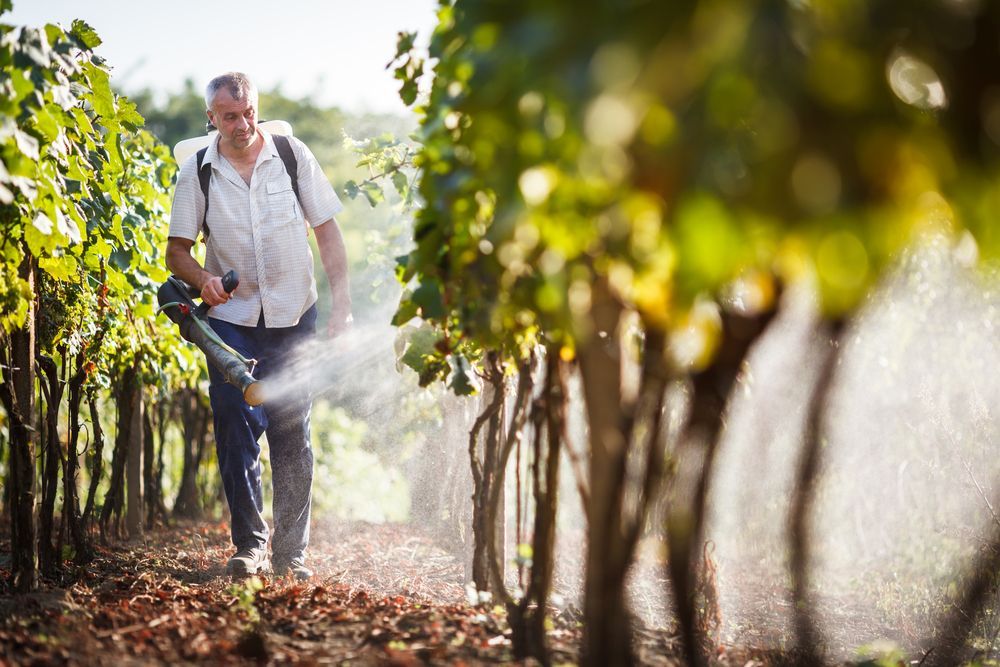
{"type": "Point", "coordinates": [97, 458]}
{"type": "Point", "coordinates": [52, 390]}
{"type": "Point", "coordinates": [114, 499]}
{"type": "Point", "coordinates": [187, 503]}
{"type": "Point", "coordinates": [808, 637]}
{"type": "Point", "coordinates": [619, 428]}
{"type": "Point", "coordinates": [71, 495]}
{"type": "Point", "coordinates": [484, 458]}
{"type": "Point", "coordinates": [607, 623]}
{"type": "Point", "coordinates": [549, 422]}
{"type": "Point", "coordinates": [17, 364]}
{"type": "Point", "coordinates": [710, 391]}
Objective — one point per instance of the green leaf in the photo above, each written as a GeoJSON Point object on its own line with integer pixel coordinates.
{"type": "Point", "coordinates": [61, 268]}
{"type": "Point", "coordinates": [404, 42]}
{"type": "Point", "coordinates": [710, 245]}
{"type": "Point", "coordinates": [143, 310]}
{"type": "Point", "coordinates": [463, 381]}
{"type": "Point", "coordinates": [82, 121]}
{"type": "Point", "coordinates": [39, 236]}
{"type": "Point", "coordinates": [421, 345]}
{"type": "Point", "coordinates": [84, 34]}
{"type": "Point", "coordinates": [407, 311]}
{"type": "Point", "coordinates": [351, 189]}
{"type": "Point", "coordinates": [53, 33]}
{"type": "Point", "coordinates": [373, 193]}
{"type": "Point", "coordinates": [47, 124]}
{"type": "Point", "coordinates": [34, 49]}
{"type": "Point", "coordinates": [401, 183]}
{"type": "Point", "coordinates": [76, 169]}
{"type": "Point", "coordinates": [101, 97]}
{"type": "Point", "coordinates": [129, 114]}
{"type": "Point", "coordinates": [404, 269]}
{"type": "Point", "coordinates": [428, 297]}
{"type": "Point", "coordinates": [116, 229]}
{"type": "Point", "coordinates": [408, 92]}
{"type": "Point", "coordinates": [66, 227]}
{"type": "Point", "coordinates": [116, 280]}
{"type": "Point", "coordinates": [27, 144]}
{"type": "Point", "coordinates": [116, 161]}
{"type": "Point", "coordinates": [97, 252]}
{"type": "Point", "coordinates": [23, 85]}
{"type": "Point", "coordinates": [42, 223]}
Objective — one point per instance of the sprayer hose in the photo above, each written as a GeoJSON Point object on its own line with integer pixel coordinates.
{"type": "Point", "coordinates": [214, 337]}
{"type": "Point", "coordinates": [210, 334]}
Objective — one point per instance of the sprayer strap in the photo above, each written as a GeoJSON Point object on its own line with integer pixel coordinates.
{"type": "Point", "coordinates": [286, 154]}
{"type": "Point", "coordinates": [204, 176]}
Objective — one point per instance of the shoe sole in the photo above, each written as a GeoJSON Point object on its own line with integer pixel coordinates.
{"type": "Point", "coordinates": [239, 568]}
{"type": "Point", "coordinates": [288, 572]}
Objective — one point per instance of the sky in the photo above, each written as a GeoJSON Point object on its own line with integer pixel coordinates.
{"type": "Point", "coordinates": [332, 50]}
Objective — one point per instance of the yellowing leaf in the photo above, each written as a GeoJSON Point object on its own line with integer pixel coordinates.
{"type": "Point", "coordinates": [61, 268]}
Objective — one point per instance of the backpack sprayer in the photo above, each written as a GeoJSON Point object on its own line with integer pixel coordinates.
{"type": "Point", "coordinates": [176, 300]}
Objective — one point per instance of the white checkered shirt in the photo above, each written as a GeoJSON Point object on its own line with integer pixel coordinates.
{"type": "Point", "coordinates": [259, 230]}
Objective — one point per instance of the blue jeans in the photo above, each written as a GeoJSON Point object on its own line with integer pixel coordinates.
{"type": "Point", "coordinates": [238, 428]}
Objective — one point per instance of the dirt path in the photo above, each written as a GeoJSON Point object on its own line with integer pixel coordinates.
{"type": "Point", "coordinates": [382, 595]}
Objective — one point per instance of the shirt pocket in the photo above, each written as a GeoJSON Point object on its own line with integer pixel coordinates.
{"type": "Point", "coordinates": [280, 203]}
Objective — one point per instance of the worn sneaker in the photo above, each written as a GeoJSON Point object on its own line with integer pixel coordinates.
{"type": "Point", "coordinates": [247, 561]}
{"type": "Point", "coordinates": [296, 567]}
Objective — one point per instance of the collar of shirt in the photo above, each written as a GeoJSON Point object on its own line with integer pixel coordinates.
{"type": "Point", "coordinates": [218, 161]}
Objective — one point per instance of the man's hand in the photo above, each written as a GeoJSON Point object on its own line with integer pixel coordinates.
{"type": "Point", "coordinates": [340, 321]}
{"type": "Point", "coordinates": [213, 293]}
{"type": "Point", "coordinates": [184, 266]}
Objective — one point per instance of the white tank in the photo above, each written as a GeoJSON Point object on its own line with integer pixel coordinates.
{"type": "Point", "coordinates": [185, 148]}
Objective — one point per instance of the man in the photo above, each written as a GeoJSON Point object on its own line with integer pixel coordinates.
{"type": "Point", "coordinates": [256, 225]}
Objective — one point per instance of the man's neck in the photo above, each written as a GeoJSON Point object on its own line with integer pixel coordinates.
{"type": "Point", "coordinates": [243, 155]}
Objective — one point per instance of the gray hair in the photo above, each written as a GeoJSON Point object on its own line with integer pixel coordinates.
{"type": "Point", "coordinates": [237, 84]}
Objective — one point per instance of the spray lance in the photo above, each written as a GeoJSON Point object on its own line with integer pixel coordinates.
{"type": "Point", "coordinates": [176, 300]}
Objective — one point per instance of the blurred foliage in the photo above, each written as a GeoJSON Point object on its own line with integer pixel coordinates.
{"type": "Point", "coordinates": [685, 152]}
{"type": "Point", "coordinates": [353, 483]}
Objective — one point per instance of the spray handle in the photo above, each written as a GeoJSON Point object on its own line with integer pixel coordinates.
{"type": "Point", "coordinates": [230, 281]}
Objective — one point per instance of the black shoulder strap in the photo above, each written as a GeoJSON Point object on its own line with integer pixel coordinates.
{"type": "Point", "coordinates": [284, 147]}
{"type": "Point", "coordinates": [204, 176]}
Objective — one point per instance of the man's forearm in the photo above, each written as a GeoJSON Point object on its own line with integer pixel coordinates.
{"type": "Point", "coordinates": [184, 266]}
{"type": "Point", "coordinates": [333, 254]}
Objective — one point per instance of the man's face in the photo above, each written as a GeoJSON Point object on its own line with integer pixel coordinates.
{"type": "Point", "coordinates": [236, 120]}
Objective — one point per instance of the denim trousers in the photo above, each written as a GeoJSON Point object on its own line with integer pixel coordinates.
{"type": "Point", "coordinates": [285, 420]}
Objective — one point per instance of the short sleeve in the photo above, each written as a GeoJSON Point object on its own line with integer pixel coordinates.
{"type": "Point", "coordinates": [188, 207]}
{"type": "Point", "coordinates": [318, 199]}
